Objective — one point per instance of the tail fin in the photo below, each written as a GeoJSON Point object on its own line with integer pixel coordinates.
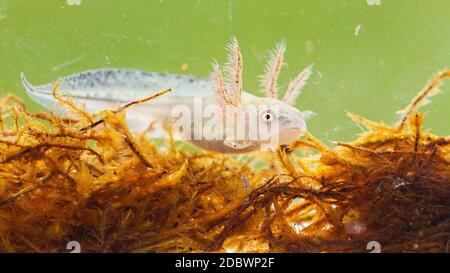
{"type": "Point", "coordinates": [38, 94]}
{"type": "Point", "coordinates": [28, 86]}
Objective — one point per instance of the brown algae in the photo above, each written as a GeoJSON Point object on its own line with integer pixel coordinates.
{"type": "Point", "coordinates": [86, 178]}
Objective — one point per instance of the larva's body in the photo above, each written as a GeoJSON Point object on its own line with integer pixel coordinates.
{"type": "Point", "coordinates": [108, 88]}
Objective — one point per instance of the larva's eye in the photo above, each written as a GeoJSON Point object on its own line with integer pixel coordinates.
{"type": "Point", "coordinates": [267, 116]}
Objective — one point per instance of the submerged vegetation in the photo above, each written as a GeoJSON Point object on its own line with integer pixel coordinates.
{"type": "Point", "coordinates": [86, 178]}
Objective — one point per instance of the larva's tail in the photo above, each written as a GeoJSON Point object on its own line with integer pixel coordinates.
{"type": "Point", "coordinates": [28, 86]}
{"type": "Point", "coordinates": [40, 94]}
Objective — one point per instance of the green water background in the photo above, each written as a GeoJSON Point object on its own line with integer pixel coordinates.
{"type": "Point", "coordinates": [400, 45]}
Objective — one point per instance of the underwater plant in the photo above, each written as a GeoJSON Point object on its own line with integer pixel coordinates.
{"type": "Point", "coordinates": [87, 178]}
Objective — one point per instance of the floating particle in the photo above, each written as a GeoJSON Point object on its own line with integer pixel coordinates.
{"type": "Point", "coordinates": [355, 227]}
{"type": "Point", "coordinates": [74, 2]}
{"type": "Point", "coordinates": [399, 182]}
{"type": "Point", "coordinates": [107, 60]}
{"type": "Point", "coordinates": [230, 11]}
{"type": "Point", "coordinates": [357, 29]}
{"type": "Point", "coordinates": [374, 2]}
{"type": "Point", "coordinates": [309, 46]}
{"type": "Point", "coordinates": [184, 67]}
{"type": "Point", "coordinates": [65, 64]}
{"type": "Point", "coordinates": [2, 14]}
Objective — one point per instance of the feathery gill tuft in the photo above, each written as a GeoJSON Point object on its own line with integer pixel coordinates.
{"type": "Point", "coordinates": [296, 85]}
{"type": "Point", "coordinates": [273, 67]}
{"type": "Point", "coordinates": [233, 70]}
{"type": "Point", "coordinates": [219, 86]}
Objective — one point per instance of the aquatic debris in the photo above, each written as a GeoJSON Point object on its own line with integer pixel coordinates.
{"type": "Point", "coordinates": [184, 66]}
{"type": "Point", "coordinates": [374, 2]}
{"type": "Point", "coordinates": [68, 63]}
{"type": "Point", "coordinates": [73, 2]}
{"type": "Point", "coordinates": [357, 29]}
{"type": "Point", "coordinates": [87, 179]}
{"type": "Point", "coordinates": [2, 14]}
{"type": "Point", "coordinates": [309, 46]}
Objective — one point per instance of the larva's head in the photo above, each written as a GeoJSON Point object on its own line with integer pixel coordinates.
{"type": "Point", "coordinates": [287, 121]}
